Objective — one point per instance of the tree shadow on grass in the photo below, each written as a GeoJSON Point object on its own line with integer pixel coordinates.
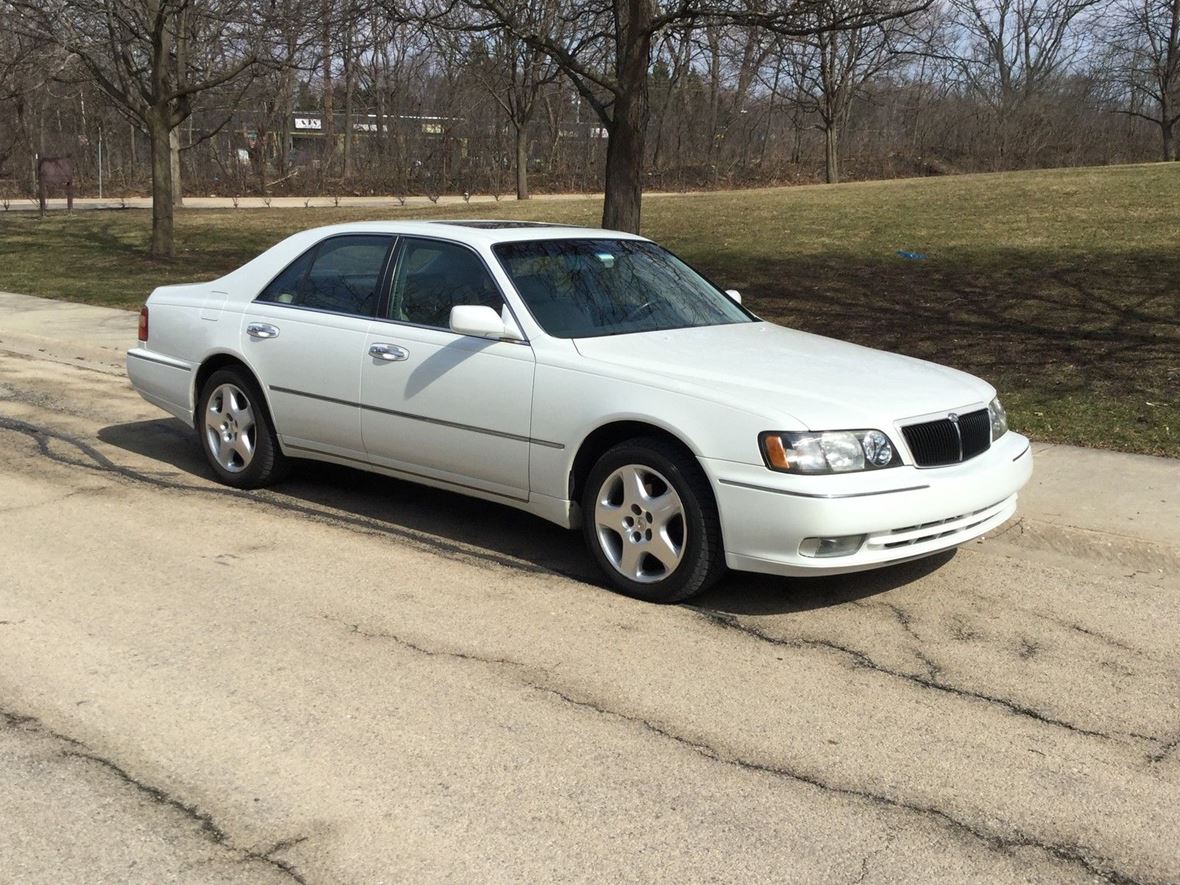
{"type": "Point", "coordinates": [1055, 323]}
{"type": "Point", "coordinates": [468, 527]}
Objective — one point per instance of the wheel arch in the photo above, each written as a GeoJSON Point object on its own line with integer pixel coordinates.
{"type": "Point", "coordinates": [601, 439]}
{"type": "Point", "coordinates": [225, 360]}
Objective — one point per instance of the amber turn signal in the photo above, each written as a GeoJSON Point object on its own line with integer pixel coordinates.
{"type": "Point", "coordinates": [775, 453]}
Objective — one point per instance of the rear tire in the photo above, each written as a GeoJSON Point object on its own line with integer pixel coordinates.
{"type": "Point", "coordinates": [236, 432]}
{"type": "Point", "coordinates": [650, 522]}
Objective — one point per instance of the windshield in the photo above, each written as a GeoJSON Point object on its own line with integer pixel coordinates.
{"type": "Point", "coordinates": [586, 288]}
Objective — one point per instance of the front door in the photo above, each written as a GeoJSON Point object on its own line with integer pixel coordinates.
{"type": "Point", "coordinates": [437, 404]}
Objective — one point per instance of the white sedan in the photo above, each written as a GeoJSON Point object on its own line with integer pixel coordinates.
{"type": "Point", "coordinates": [591, 378]}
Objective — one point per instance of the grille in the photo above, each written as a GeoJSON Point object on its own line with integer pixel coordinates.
{"type": "Point", "coordinates": [935, 443]}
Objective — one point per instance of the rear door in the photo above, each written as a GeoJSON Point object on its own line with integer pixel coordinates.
{"type": "Point", "coordinates": [305, 338]}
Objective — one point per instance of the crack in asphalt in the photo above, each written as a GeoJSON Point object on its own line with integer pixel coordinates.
{"type": "Point", "coordinates": [906, 620]}
{"type": "Point", "coordinates": [206, 825]}
{"type": "Point", "coordinates": [111, 370]}
{"type": "Point", "coordinates": [1029, 648]}
{"type": "Point", "coordinates": [38, 505]}
{"type": "Point", "coordinates": [860, 659]}
{"type": "Point", "coordinates": [287, 867]}
{"type": "Point", "coordinates": [1165, 750]}
{"type": "Point", "coordinates": [204, 820]}
{"type": "Point", "coordinates": [1065, 624]}
{"type": "Point", "coordinates": [96, 461]}
{"type": "Point", "coordinates": [1075, 855]}
{"type": "Point", "coordinates": [422, 650]}
{"type": "Point", "coordinates": [933, 670]}
{"type": "Point", "coordinates": [903, 617]}
{"type": "Point", "coordinates": [1095, 634]}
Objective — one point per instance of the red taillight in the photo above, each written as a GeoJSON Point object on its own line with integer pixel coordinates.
{"type": "Point", "coordinates": [143, 323]}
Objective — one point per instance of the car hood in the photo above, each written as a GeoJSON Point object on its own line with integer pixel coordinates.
{"type": "Point", "coordinates": [823, 383]}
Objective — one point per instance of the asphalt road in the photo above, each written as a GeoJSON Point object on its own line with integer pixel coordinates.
{"type": "Point", "coordinates": [353, 679]}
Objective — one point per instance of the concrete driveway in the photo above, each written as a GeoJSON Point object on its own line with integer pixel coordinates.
{"type": "Point", "coordinates": [353, 679]}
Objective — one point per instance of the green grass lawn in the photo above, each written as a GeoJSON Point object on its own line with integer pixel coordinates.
{"type": "Point", "coordinates": [1060, 287]}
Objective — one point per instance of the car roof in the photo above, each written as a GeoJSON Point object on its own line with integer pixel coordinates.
{"type": "Point", "coordinates": [475, 230]}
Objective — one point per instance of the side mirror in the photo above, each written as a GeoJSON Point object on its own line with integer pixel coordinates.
{"type": "Point", "coordinates": [734, 294]}
{"type": "Point", "coordinates": [478, 320]}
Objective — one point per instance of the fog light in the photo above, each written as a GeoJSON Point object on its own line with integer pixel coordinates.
{"type": "Point", "coordinates": [845, 545]}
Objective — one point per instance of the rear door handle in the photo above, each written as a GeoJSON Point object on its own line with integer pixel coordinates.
{"type": "Point", "coordinates": [262, 330]}
{"type": "Point", "coordinates": [389, 352]}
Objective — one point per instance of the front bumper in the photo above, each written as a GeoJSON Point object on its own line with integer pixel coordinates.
{"type": "Point", "coordinates": [905, 512]}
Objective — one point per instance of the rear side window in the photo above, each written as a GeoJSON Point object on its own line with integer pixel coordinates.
{"type": "Point", "coordinates": [340, 275]}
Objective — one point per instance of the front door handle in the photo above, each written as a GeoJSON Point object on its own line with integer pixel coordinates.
{"type": "Point", "coordinates": [262, 330]}
{"type": "Point", "coordinates": [389, 352]}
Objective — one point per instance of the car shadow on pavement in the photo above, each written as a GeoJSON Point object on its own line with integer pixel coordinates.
{"type": "Point", "coordinates": [500, 532]}
{"type": "Point", "coordinates": [748, 594]}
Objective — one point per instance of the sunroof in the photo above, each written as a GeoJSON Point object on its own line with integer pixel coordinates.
{"type": "Point", "coordinates": [498, 225]}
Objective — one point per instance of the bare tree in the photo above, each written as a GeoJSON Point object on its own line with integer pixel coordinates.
{"type": "Point", "coordinates": [1146, 38]}
{"type": "Point", "coordinates": [1013, 51]}
{"type": "Point", "coordinates": [142, 55]}
{"type": "Point", "coordinates": [22, 82]}
{"type": "Point", "coordinates": [606, 49]}
{"type": "Point", "coordinates": [830, 67]}
{"type": "Point", "coordinates": [514, 73]}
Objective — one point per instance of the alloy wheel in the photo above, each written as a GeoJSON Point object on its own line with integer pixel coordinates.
{"type": "Point", "coordinates": [640, 524]}
{"type": "Point", "coordinates": [231, 432]}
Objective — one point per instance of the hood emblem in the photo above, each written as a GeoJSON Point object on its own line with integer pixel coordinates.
{"type": "Point", "coordinates": [953, 417]}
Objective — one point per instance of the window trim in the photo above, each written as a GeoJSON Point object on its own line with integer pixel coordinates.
{"type": "Point", "coordinates": [386, 298]}
{"type": "Point", "coordinates": [383, 278]}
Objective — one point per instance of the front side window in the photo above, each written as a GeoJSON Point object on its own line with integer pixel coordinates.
{"type": "Point", "coordinates": [340, 274]}
{"type": "Point", "coordinates": [586, 288]}
{"type": "Point", "coordinates": [433, 276]}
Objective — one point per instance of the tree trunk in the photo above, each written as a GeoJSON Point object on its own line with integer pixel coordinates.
{"type": "Point", "coordinates": [288, 107]}
{"type": "Point", "coordinates": [328, 151]}
{"type": "Point", "coordinates": [553, 119]}
{"type": "Point", "coordinates": [624, 165]}
{"type": "Point", "coordinates": [522, 162]}
{"type": "Point", "coordinates": [348, 134]}
{"type": "Point", "coordinates": [628, 124]}
{"type": "Point", "coordinates": [174, 166]}
{"type": "Point", "coordinates": [831, 157]}
{"type": "Point", "coordinates": [158, 130]}
{"type": "Point", "coordinates": [714, 100]}
{"type": "Point", "coordinates": [349, 89]}
{"type": "Point", "coordinates": [1167, 128]}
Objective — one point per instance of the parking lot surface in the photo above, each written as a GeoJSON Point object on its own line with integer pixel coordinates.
{"type": "Point", "coordinates": [348, 678]}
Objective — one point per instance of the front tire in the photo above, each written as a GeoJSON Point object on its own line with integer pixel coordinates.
{"type": "Point", "coordinates": [650, 521]}
{"type": "Point", "coordinates": [236, 433]}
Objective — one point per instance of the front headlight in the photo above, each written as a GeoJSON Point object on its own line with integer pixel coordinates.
{"type": "Point", "coordinates": [999, 418]}
{"type": "Point", "coordinates": [834, 451]}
